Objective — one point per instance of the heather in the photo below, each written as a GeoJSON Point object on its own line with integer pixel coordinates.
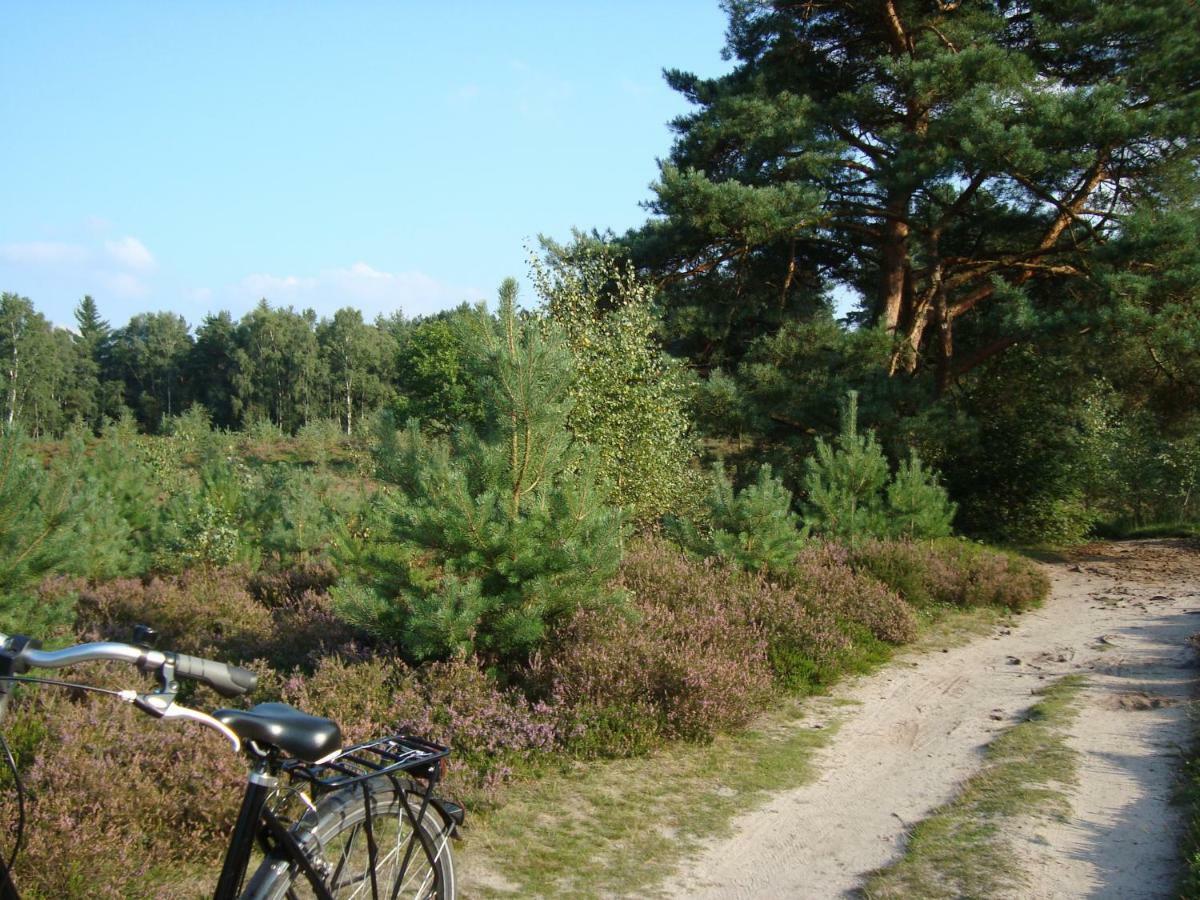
{"type": "Point", "coordinates": [954, 573]}
{"type": "Point", "coordinates": [474, 583]}
{"type": "Point", "coordinates": [699, 647]}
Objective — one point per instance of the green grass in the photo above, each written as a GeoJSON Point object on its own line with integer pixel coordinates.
{"type": "Point", "coordinates": [961, 850]}
{"type": "Point", "coordinates": [618, 826]}
{"type": "Point", "coordinates": [1123, 532]}
{"type": "Point", "coordinates": [1188, 796]}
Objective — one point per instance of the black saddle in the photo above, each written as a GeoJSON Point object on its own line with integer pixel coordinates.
{"type": "Point", "coordinates": [303, 736]}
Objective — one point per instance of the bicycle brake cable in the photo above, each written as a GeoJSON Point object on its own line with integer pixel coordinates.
{"type": "Point", "coordinates": [24, 679]}
{"type": "Point", "coordinates": [12, 765]}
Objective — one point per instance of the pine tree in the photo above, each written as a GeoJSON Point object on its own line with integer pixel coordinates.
{"type": "Point", "coordinates": [494, 536]}
{"type": "Point", "coordinates": [39, 512]}
{"type": "Point", "coordinates": [844, 481]}
{"type": "Point", "coordinates": [917, 505]}
{"type": "Point", "coordinates": [945, 161]}
{"type": "Point", "coordinates": [754, 528]}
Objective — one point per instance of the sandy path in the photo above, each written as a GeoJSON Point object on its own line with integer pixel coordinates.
{"type": "Point", "coordinates": [1121, 615]}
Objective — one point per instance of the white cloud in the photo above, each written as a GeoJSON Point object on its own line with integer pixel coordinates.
{"type": "Point", "coordinates": [130, 253]}
{"type": "Point", "coordinates": [122, 284]}
{"type": "Point", "coordinates": [44, 253]}
{"type": "Point", "coordinates": [360, 285]}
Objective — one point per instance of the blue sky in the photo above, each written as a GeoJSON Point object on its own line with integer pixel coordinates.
{"type": "Point", "coordinates": [198, 156]}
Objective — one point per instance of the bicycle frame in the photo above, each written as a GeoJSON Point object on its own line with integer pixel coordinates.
{"type": "Point", "coordinates": [353, 768]}
{"type": "Point", "coordinates": [255, 822]}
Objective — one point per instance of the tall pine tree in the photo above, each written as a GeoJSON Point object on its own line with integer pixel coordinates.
{"type": "Point", "coordinates": [956, 164]}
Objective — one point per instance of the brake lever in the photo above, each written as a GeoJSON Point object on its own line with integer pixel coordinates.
{"type": "Point", "coordinates": [163, 706]}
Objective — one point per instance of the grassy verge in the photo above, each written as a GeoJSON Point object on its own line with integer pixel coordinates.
{"type": "Point", "coordinates": [1123, 532]}
{"type": "Point", "coordinates": [1188, 796]}
{"type": "Point", "coordinates": [961, 849]}
{"type": "Point", "coordinates": [618, 826]}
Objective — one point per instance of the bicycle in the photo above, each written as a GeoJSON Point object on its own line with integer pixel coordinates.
{"type": "Point", "coordinates": [371, 821]}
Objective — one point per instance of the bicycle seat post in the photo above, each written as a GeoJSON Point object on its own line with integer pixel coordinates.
{"type": "Point", "coordinates": [264, 776]}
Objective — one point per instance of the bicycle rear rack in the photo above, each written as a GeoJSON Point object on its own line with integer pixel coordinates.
{"type": "Point", "coordinates": [382, 757]}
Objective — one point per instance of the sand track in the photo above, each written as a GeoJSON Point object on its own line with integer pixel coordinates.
{"type": "Point", "coordinates": [1120, 614]}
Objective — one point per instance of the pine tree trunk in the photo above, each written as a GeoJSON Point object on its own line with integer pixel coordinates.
{"type": "Point", "coordinates": [895, 259]}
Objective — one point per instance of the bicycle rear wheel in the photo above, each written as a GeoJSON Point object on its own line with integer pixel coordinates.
{"type": "Point", "coordinates": [409, 864]}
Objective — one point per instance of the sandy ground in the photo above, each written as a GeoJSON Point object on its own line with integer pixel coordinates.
{"type": "Point", "coordinates": [1121, 614]}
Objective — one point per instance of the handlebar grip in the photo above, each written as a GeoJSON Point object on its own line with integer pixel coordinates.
{"type": "Point", "coordinates": [226, 680]}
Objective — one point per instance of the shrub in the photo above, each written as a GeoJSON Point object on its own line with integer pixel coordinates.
{"type": "Point", "coordinates": [953, 573]}
{"type": "Point", "coordinates": [40, 512]}
{"type": "Point", "coordinates": [823, 577]}
{"type": "Point", "coordinates": [846, 497]}
{"type": "Point", "coordinates": [295, 514]}
{"type": "Point", "coordinates": [205, 524]}
{"type": "Point", "coordinates": [913, 570]}
{"type": "Point", "coordinates": [453, 703]}
{"type": "Point", "coordinates": [807, 646]}
{"type": "Point", "coordinates": [319, 440]}
{"type": "Point", "coordinates": [214, 613]}
{"type": "Point", "coordinates": [114, 795]}
{"type": "Point", "coordinates": [917, 505]}
{"type": "Point", "coordinates": [202, 613]}
{"type": "Point", "coordinates": [630, 398]}
{"type": "Point", "coordinates": [992, 578]}
{"type": "Point", "coordinates": [691, 665]}
{"type": "Point", "coordinates": [754, 528]}
{"type": "Point", "coordinates": [491, 539]}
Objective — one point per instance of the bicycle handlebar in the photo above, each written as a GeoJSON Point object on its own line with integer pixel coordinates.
{"type": "Point", "coordinates": [226, 680]}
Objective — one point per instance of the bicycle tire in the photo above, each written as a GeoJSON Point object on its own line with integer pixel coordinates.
{"type": "Point", "coordinates": [337, 835]}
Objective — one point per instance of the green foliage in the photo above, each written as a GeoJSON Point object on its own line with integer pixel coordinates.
{"type": "Point", "coordinates": [1035, 452]}
{"type": "Point", "coordinates": [202, 525]}
{"type": "Point", "coordinates": [39, 511]}
{"type": "Point", "coordinates": [630, 400]}
{"type": "Point", "coordinates": [354, 356]}
{"type": "Point", "coordinates": [754, 528]}
{"type": "Point", "coordinates": [149, 356]}
{"type": "Point", "coordinates": [440, 369]}
{"type": "Point", "coordinates": [296, 514]}
{"type": "Point", "coordinates": [844, 481]}
{"type": "Point", "coordinates": [851, 495]}
{"type": "Point", "coordinates": [917, 505]}
{"type": "Point", "coordinates": [35, 363]}
{"type": "Point", "coordinates": [924, 156]}
{"type": "Point", "coordinates": [492, 537]}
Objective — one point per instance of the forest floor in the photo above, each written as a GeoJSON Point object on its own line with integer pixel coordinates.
{"type": "Point", "coordinates": [916, 732]}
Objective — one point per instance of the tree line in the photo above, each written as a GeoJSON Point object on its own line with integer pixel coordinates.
{"type": "Point", "coordinates": [274, 364]}
{"type": "Point", "coordinates": [1008, 190]}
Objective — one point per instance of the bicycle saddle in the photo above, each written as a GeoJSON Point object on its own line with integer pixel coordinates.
{"type": "Point", "coordinates": [303, 736]}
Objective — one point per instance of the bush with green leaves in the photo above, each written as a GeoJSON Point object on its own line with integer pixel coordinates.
{"type": "Point", "coordinates": [631, 400]}
{"type": "Point", "coordinates": [754, 528]}
{"type": "Point", "coordinates": [491, 538]}
{"type": "Point", "coordinates": [952, 572]}
{"type": "Point", "coordinates": [205, 524]}
{"type": "Point", "coordinates": [851, 494]}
